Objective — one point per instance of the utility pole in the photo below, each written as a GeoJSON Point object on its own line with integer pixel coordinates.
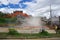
{"type": "Point", "coordinates": [50, 13]}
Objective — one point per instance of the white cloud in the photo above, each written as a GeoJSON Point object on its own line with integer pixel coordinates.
{"type": "Point", "coordinates": [14, 1]}
{"type": "Point", "coordinates": [42, 7]}
{"type": "Point", "coordinates": [9, 10]}
{"type": "Point", "coordinates": [6, 2]}
{"type": "Point", "coordinates": [35, 8]}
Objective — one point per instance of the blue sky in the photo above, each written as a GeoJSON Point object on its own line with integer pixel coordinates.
{"type": "Point", "coordinates": [16, 5]}
{"type": "Point", "coordinates": [31, 7]}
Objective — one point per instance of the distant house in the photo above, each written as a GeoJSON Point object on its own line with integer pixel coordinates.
{"type": "Point", "coordinates": [15, 13]}
{"type": "Point", "coordinates": [44, 20]}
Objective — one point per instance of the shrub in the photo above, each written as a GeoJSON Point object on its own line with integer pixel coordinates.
{"type": "Point", "coordinates": [44, 33]}
{"type": "Point", "coordinates": [13, 32]}
{"type": "Point", "coordinates": [58, 31]}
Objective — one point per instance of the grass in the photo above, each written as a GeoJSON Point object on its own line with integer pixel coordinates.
{"type": "Point", "coordinates": [26, 35]}
{"type": "Point", "coordinates": [3, 35]}
{"type": "Point", "coordinates": [14, 34]}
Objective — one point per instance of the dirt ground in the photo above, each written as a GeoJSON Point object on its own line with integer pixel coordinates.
{"type": "Point", "coordinates": [34, 39]}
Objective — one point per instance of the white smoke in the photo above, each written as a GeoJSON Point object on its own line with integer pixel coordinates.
{"type": "Point", "coordinates": [32, 21]}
